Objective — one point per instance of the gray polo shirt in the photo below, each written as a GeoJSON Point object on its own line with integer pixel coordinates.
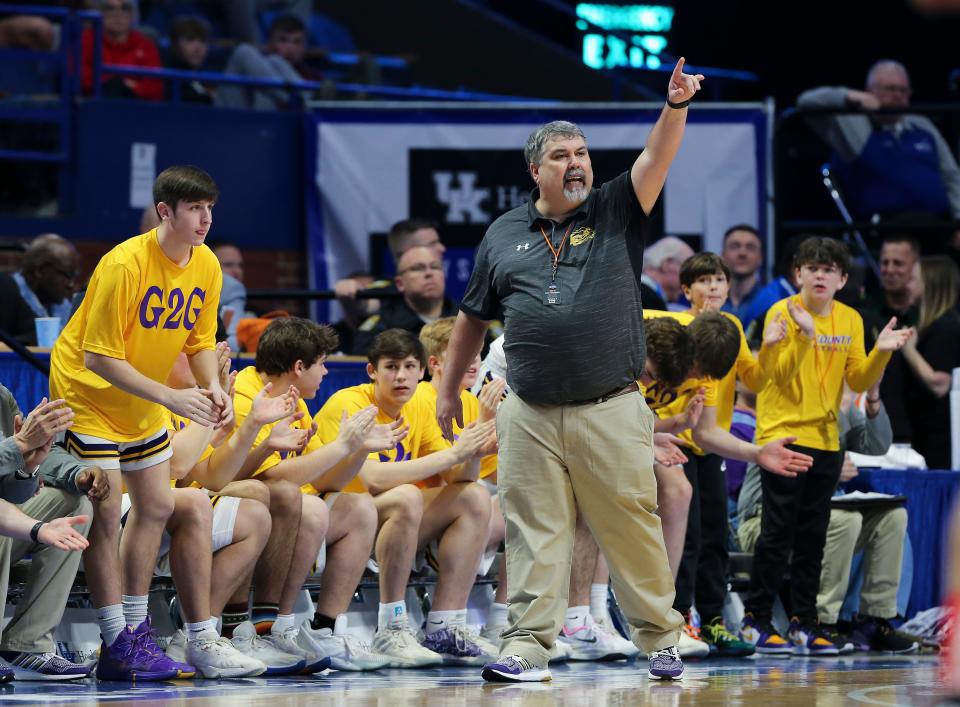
{"type": "Point", "coordinates": [591, 342]}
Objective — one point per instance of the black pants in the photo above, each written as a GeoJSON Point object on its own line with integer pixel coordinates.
{"type": "Point", "coordinates": [702, 579]}
{"type": "Point", "coordinates": [796, 512]}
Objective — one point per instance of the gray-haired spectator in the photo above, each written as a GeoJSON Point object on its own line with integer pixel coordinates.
{"type": "Point", "coordinates": [661, 267]}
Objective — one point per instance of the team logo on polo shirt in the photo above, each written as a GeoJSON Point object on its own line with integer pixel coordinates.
{"type": "Point", "coordinates": [582, 235]}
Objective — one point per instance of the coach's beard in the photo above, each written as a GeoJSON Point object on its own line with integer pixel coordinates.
{"type": "Point", "coordinates": [575, 186]}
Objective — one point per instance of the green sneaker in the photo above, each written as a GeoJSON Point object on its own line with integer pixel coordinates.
{"type": "Point", "coordinates": [723, 644]}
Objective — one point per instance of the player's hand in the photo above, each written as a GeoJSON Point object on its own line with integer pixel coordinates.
{"type": "Point", "coordinates": [42, 424]}
{"type": "Point", "coordinates": [284, 437]}
{"type": "Point", "coordinates": [776, 458]}
{"type": "Point", "coordinates": [691, 415]}
{"type": "Point", "coordinates": [95, 482]}
{"type": "Point", "coordinates": [682, 86]}
{"type": "Point", "coordinates": [195, 404]}
{"type": "Point", "coordinates": [666, 449]}
{"type": "Point", "coordinates": [384, 436]}
{"type": "Point", "coordinates": [490, 396]}
{"type": "Point", "coordinates": [60, 533]}
{"type": "Point", "coordinates": [354, 429]}
{"type": "Point", "coordinates": [223, 403]}
{"type": "Point", "coordinates": [802, 318]}
{"type": "Point", "coordinates": [266, 410]}
{"type": "Point", "coordinates": [775, 331]}
{"type": "Point", "coordinates": [223, 364]}
{"type": "Point", "coordinates": [473, 439]}
{"type": "Point", "coordinates": [891, 339]}
{"type": "Point", "coordinates": [449, 409]}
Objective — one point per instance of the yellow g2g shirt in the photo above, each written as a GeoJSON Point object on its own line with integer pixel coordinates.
{"type": "Point", "coordinates": [143, 308]}
{"type": "Point", "coordinates": [419, 413]}
{"type": "Point", "coordinates": [246, 387]}
{"type": "Point", "coordinates": [801, 397]}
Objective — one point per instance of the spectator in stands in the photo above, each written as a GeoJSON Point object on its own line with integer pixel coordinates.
{"type": "Point", "coordinates": [50, 525]}
{"type": "Point", "coordinates": [403, 236]}
{"type": "Point", "coordinates": [47, 279]}
{"type": "Point", "coordinates": [233, 296]}
{"type": "Point", "coordinates": [743, 254]}
{"type": "Point", "coordinates": [421, 281]}
{"type": "Point", "coordinates": [283, 58]}
{"type": "Point", "coordinates": [415, 507]}
{"type": "Point", "coordinates": [887, 162]}
{"type": "Point", "coordinates": [878, 532]}
{"type": "Point", "coordinates": [243, 15]}
{"type": "Point", "coordinates": [661, 268]}
{"type": "Point", "coordinates": [16, 317]}
{"type": "Point", "coordinates": [122, 44]}
{"type": "Point", "coordinates": [931, 357]}
{"type": "Point", "coordinates": [27, 32]}
{"type": "Point", "coordinates": [189, 44]}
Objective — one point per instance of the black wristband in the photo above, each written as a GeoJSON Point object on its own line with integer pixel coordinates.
{"type": "Point", "coordinates": [35, 530]}
{"type": "Point", "coordinates": [678, 106]}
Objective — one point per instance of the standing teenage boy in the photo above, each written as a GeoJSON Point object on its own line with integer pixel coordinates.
{"type": "Point", "coordinates": [822, 348]}
{"type": "Point", "coordinates": [149, 298]}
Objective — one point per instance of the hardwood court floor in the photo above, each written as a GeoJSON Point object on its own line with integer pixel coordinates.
{"type": "Point", "coordinates": [866, 680]}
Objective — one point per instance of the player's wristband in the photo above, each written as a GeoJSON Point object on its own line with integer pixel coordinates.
{"type": "Point", "coordinates": [35, 530]}
{"type": "Point", "coordinates": [678, 106]}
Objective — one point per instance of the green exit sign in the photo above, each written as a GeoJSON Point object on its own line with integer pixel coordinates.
{"type": "Point", "coordinates": [623, 36]}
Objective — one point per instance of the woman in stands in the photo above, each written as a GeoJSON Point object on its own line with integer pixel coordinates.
{"type": "Point", "coordinates": [931, 357]}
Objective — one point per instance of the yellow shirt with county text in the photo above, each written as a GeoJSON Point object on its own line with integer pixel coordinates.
{"type": "Point", "coordinates": [142, 308]}
{"type": "Point", "coordinates": [801, 397]}
{"type": "Point", "coordinates": [419, 413]}
{"type": "Point", "coordinates": [666, 402]}
{"type": "Point", "coordinates": [246, 387]}
{"type": "Point", "coordinates": [471, 413]}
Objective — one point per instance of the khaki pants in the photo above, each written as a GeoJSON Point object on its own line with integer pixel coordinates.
{"type": "Point", "coordinates": [52, 573]}
{"type": "Point", "coordinates": [598, 458]}
{"type": "Point", "coordinates": [748, 533]}
{"type": "Point", "coordinates": [879, 533]}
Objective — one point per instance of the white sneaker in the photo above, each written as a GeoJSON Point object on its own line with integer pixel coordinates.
{"type": "Point", "coordinates": [346, 651]}
{"type": "Point", "coordinates": [213, 656]}
{"type": "Point", "coordinates": [490, 648]}
{"type": "Point", "coordinates": [246, 640]}
{"type": "Point", "coordinates": [585, 642]}
{"type": "Point", "coordinates": [690, 647]}
{"type": "Point", "coordinates": [559, 653]}
{"type": "Point", "coordinates": [401, 648]}
{"type": "Point", "coordinates": [289, 642]}
{"type": "Point", "coordinates": [619, 645]}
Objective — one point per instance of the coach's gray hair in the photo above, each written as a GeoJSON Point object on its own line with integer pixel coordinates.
{"type": "Point", "coordinates": [533, 151]}
{"type": "Point", "coordinates": [882, 65]}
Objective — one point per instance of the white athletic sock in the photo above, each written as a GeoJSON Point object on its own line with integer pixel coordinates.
{"type": "Point", "coordinates": [439, 620]}
{"type": "Point", "coordinates": [598, 602]}
{"type": "Point", "coordinates": [111, 622]}
{"type": "Point", "coordinates": [195, 629]}
{"type": "Point", "coordinates": [392, 615]}
{"type": "Point", "coordinates": [498, 615]}
{"type": "Point", "coordinates": [134, 609]}
{"type": "Point", "coordinates": [283, 622]}
{"type": "Point", "coordinates": [576, 617]}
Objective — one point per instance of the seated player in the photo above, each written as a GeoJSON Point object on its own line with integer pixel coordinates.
{"type": "Point", "coordinates": [411, 512]}
{"type": "Point", "coordinates": [336, 535]}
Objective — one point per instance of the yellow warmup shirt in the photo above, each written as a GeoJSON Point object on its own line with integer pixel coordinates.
{"type": "Point", "coordinates": [143, 308]}
{"type": "Point", "coordinates": [667, 402]}
{"type": "Point", "coordinates": [246, 387]}
{"type": "Point", "coordinates": [471, 413]}
{"type": "Point", "coordinates": [747, 368]}
{"type": "Point", "coordinates": [801, 397]}
{"type": "Point", "coordinates": [419, 413]}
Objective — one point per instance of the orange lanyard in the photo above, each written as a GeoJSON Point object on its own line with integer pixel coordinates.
{"type": "Point", "coordinates": [556, 251]}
